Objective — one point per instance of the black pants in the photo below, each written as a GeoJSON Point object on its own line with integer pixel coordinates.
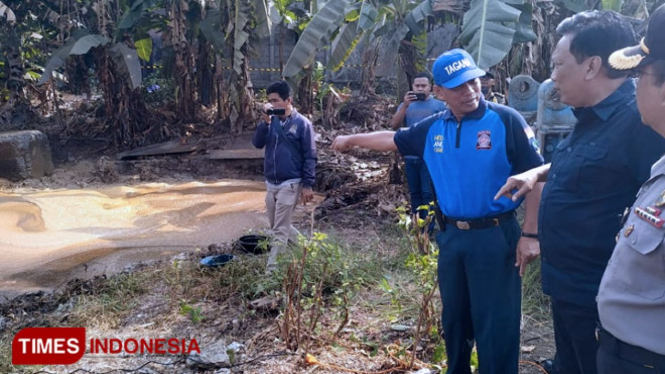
{"type": "Point", "coordinates": [617, 357]}
{"type": "Point", "coordinates": [575, 338]}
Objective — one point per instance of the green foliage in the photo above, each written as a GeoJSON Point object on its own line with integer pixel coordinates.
{"type": "Point", "coordinates": [158, 90]}
{"type": "Point", "coordinates": [317, 34]}
{"type": "Point", "coordinates": [193, 313]}
{"type": "Point", "coordinates": [395, 299]}
{"type": "Point", "coordinates": [535, 303]}
{"type": "Point", "coordinates": [333, 266]}
{"type": "Point", "coordinates": [127, 62]}
{"type": "Point", "coordinates": [144, 48]}
{"type": "Point", "coordinates": [488, 30]}
{"type": "Point", "coordinates": [439, 353]}
{"type": "Point", "coordinates": [79, 43]}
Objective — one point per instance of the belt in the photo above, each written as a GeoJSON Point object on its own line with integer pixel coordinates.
{"type": "Point", "coordinates": [480, 223]}
{"type": "Point", "coordinates": [629, 352]}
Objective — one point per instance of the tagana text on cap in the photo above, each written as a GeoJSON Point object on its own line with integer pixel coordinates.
{"type": "Point", "coordinates": [650, 49]}
{"type": "Point", "coordinates": [454, 68]}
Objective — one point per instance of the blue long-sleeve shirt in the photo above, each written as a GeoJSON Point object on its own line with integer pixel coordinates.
{"type": "Point", "coordinates": [283, 162]}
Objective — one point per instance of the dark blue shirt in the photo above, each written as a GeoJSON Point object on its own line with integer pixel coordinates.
{"type": "Point", "coordinates": [470, 160]}
{"type": "Point", "coordinates": [595, 173]}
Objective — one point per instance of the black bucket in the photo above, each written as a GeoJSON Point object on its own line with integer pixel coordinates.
{"type": "Point", "coordinates": [256, 244]}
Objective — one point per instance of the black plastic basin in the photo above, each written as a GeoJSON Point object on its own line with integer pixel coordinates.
{"type": "Point", "coordinates": [255, 244]}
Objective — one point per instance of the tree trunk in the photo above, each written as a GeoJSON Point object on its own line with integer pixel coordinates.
{"type": "Point", "coordinates": [370, 58]}
{"type": "Point", "coordinates": [125, 109]}
{"type": "Point", "coordinates": [183, 60]}
{"type": "Point", "coordinates": [305, 97]}
{"type": "Point", "coordinates": [205, 79]}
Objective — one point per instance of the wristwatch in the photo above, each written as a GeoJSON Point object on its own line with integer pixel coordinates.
{"type": "Point", "coordinates": [529, 235]}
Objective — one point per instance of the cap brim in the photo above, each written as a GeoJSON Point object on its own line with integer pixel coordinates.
{"type": "Point", "coordinates": [628, 58]}
{"type": "Point", "coordinates": [464, 77]}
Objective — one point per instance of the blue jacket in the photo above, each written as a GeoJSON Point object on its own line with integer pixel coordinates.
{"type": "Point", "coordinates": [283, 162]}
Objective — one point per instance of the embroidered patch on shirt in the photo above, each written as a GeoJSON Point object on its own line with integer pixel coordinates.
{"type": "Point", "coordinates": [438, 144]}
{"type": "Point", "coordinates": [484, 140]}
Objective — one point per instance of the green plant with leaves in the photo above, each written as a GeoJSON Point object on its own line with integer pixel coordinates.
{"type": "Point", "coordinates": [422, 261]}
{"type": "Point", "coordinates": [194, 313]}
{"type": "Point", "coordinates": [319, 275]}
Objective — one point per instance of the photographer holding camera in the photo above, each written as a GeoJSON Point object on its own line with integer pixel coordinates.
{"type": "Point", "coordinates": [417, 105]}
{"type": "Point", "coordinates": [289, 165]}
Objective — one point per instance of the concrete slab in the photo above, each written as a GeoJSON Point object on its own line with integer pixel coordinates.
{"type": "Point", "coordinates": [24, 155]}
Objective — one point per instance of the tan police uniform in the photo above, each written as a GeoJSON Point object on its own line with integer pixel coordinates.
{"type": "Point", "coordinates": [631, 299]}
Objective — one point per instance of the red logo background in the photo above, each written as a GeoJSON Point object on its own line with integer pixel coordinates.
{"type": "Point", "coordinates": [48, 335]}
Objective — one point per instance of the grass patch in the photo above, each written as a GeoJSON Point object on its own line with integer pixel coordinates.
{"type": "Point", "coordinates": [535, 303]}
{"type": "Point", "coordinates": [111, 300]}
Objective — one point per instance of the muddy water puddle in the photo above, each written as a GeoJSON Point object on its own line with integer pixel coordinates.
{"type": "Point", "coordinates": [49, 237]}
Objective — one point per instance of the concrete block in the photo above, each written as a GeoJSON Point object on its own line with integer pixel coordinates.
{"type": "Point", "coordinates": [24, 155]}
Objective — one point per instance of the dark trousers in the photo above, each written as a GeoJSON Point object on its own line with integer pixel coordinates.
{"type": "Point", "coordinates": [575, 337]}
{"type": "Point", "coordinates": [480, 289]}
{"type": "Point", "coordinates": [617, 357]}
{"type": "Point", "coordinates": [420, 185]}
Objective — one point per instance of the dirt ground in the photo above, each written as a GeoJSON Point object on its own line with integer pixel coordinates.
{"type": "Point", "coordinates": [358, 204]}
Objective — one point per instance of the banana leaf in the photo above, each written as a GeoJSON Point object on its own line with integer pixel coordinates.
{"type": "Point", "coordinates": [317, 34]}
{"type": "Point", "coordinates": [487, 31]}
{"type": "Point", "coordinates": [144, 48]}
{"type": "Point", "coordinates": [127, 62]}
{"type": "Point", "coordinates": [368, 16]}
{"type": "Point", "coordinates": [134, 14]}
{"type": "Point", "coordinates": [263, 21]}
{"type": "Point", "coordinates": [5, 10]}
{"type": "Point", "coordinates": [79, 44]}
{"type": "Point", "coordinates": [523, 28]}
{"type": "Point", "coordinates": [212, 30]}
{"type": "Point", "coordinates": [414, 19]}
{"type": "Point", "coordinates": [240, 36]}
{"type": "Point", "coordinates": [343, 45]}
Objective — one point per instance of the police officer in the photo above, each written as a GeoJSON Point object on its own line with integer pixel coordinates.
{"type": "Point", "coordinates": [631, 299]}
{"type": "Point", "coordinates": [487, 87]}
{"type": "Point", "coordinates": [470, 149]}
{"type": "Point", "coordinates": [594, 174]}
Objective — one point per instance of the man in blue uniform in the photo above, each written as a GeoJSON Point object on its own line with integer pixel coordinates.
{"type": "Point", "coordinates": [595, 173]}
{"type": "Point", "coordinates": [411, 111]}
{"type": "Point", "coordinates": [469, 149]}
{"type": "Point", "coordinates": [631, 299]}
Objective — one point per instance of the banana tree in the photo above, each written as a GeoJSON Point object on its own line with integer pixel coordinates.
{"type": "Point", "coordinates": [343, 23]}
{"type": "Point", "coordinates": [285, 13]}
{"type": "Point", "coordinates": [234, 28]}
{"type": "Point", "coordinates": [117, 67]}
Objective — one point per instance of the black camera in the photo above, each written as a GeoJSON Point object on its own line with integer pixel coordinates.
{"type": "Point", "coordinates": [276, 112]}
{"type": "Point", "coordinates": [420, 96]}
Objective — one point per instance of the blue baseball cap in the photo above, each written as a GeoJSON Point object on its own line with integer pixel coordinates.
{"type": "Point", "coordinates": [454, 68]}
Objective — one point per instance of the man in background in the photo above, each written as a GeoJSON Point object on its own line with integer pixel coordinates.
{"type": "Point", "coordinates": [418, 104]}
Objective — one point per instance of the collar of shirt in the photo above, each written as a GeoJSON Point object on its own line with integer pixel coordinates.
{"type": "Point", "coordinates": [477, 114]}
{"type": "Point", "coordinates": [605, 108]}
